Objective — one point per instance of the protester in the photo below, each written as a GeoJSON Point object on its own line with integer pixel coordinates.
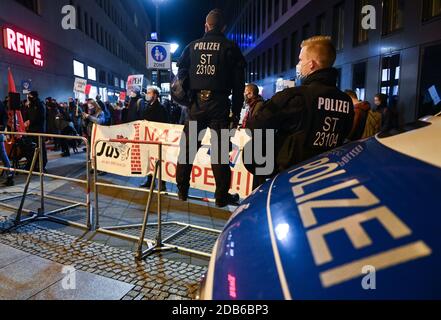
{"type": "Point", "coordinates": [388, 113]}
{"type": "Point", "coordinates": [254, 102]}
{"type": "Point", "coordinates": [3, 155]}
{"type": "Point", "coordinates": [94, 115]}
{"type": "Point", "coordinates": [154, 112]}
{"type": "Point", "coordinates": [361, 110]}
{"type": "Point", "coordinates": [34, 117]}
{"type": "Point", "coordinates": [136, 107]}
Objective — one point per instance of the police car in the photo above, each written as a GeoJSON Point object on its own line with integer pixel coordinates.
{"type": "Point", "coordinates": [360, 222]}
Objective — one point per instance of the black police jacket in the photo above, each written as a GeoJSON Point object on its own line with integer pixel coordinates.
{"type": "Point", "coordinates": [215, 63]}
{"type": "Point", "coordinates": [309, 120]}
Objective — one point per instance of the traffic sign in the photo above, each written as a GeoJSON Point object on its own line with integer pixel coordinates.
{"type": "Point", "coordinates": [159, 55]}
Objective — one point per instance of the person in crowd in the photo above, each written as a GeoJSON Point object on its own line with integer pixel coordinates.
{"type": "Point", "coordinates": [254, 102]}
{"type": "Point", "coordinates": [35, 122]}
{"type": "Point", "coordinates": [75, 115]}
{"type": "Point", "coordinates": [65, 125]}
{"type": "Point", "coordinates": [154, 112]}
{"type": "Point", "coordinates": [313, 117]}
{"type": "Point", "coordinates": [388, 113]}
{"type": "Point", "coordinates": [105, 110]}
{"type": "Point", "coordinates": [136, 107]}
{"type": "Point", "coordinates": [94, 115]}
{"type": "Point", "coordinates": [117, 113]}
{"type": "Point", "coordinates": [3, 154]}
{"type": "Point", "coordinates": [361, 110]}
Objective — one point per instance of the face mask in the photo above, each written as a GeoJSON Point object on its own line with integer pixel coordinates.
{"type": "Point", "coordinates": [133, 95]}
{"type": "Point", "coordinates": [149, 98]}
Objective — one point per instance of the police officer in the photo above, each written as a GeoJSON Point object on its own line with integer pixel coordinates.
{"type": "Point", "coordinates": [313, 117]}
{"type": "Point", "coordinates": [216, 69]}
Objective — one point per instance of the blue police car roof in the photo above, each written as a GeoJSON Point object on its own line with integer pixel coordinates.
{"type": "Point", "coordinates": [361, 222]}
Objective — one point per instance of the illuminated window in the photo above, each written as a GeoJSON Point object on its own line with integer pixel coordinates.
{"type": "Point", "coordinates": [431, 9]}
{"type": "Point", "coordinates": [392, 15]}
{"type": "Point", "coordinates": [78, 69]}
{"type": "Point", "coordinates": [359, 80]}
{"type": "Point", "coordinates": [390, 75]}
{"type": "Point", "coordinates": [91, 73]}
{"type": "Point", "coordinates": [339, 26]}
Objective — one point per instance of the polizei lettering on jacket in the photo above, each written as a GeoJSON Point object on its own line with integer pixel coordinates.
{"type": "Point", "coordinates": [334, 105]}
{"type": "Point", "coordinates": [207, 46]}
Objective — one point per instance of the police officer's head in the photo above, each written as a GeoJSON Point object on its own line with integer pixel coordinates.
{"type": "Point", "coordinates": [152, 94]}
{"type": "Point", "coordinates": [251, 92]}
{"type": "Point", "coordinates": [317, 53]}
{"type": "Point", "coordinates": [215, 21]}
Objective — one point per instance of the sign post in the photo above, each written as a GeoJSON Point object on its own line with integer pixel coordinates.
{"type": "Point", "coordinates": [159, 57]}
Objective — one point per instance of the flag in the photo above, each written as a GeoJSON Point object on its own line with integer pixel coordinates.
{"type": "Point", "coordinates": [11, 83]}
{"type": "Point", "coordinates": [18, 119]}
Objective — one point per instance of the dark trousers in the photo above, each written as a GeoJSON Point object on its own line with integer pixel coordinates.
{"type": "Point", "coordinates": [214, 115]}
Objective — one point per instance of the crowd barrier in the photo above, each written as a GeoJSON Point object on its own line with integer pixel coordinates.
{"type": "Point", "coordinates": [41, 213]}
{"type": "Point", "coordinates": [159, 244]}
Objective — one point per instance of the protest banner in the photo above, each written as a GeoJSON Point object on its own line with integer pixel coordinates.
{"type": "Point", "coordinates": [134, 160]}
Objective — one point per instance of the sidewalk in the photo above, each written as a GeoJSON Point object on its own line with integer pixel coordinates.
{"type": "Point", "coordinates": [167, 276]}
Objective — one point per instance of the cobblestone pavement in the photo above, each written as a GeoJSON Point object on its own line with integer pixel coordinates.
{"type": "Point", "coordinates": [156, 278]}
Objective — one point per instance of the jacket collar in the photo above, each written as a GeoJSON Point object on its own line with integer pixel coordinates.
{"type": "Point", "coordinates": [214, 33]}
{"type": "Point", "coordinates": [324, 76]}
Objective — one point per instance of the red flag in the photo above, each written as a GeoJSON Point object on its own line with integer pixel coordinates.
{"type": "Point", "coordinates": [11, 83]}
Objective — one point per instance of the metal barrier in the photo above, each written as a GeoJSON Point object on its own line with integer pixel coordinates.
{"type": "Point", "coordinates": [42, 214]}
{"type": "Point", "coordinates": [176, 229]}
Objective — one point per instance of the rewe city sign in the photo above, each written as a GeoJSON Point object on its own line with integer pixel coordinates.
{"type": "Point", "coordinates": [23, 44]}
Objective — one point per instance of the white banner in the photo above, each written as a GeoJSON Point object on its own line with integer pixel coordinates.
{"type": "Point", "coordinates": [135, 82]}
{"type": "Point", "coordinates": [134, 160]}
{"type": "Point", "coordinates": [80, 85]}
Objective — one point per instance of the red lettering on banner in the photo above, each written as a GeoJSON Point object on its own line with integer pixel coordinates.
{"type": "Point", "coordinates": [196, 173]}
{"type": "Point", "coordinates": [208, 176]}
{"type": "Point", "coordinates": [167, 169]}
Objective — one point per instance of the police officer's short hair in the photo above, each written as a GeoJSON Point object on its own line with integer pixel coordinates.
{"type": "Point", "coordinates": [254, 88]}
{"type": "Point", "coordinates": [215, 19]}
{"type": "Point", "coordinates": [154, 89]}
{"type": "Point", "coordinates": [324, 48]}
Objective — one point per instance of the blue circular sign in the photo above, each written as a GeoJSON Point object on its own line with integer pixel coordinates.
{"type": "Point", "coordinates": [159, 53]}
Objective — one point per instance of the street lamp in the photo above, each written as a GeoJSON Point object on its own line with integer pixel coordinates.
{"type": "Point", "coordinates": [174, 47]}
{"type": "Point", "coordinates": [158, 16]}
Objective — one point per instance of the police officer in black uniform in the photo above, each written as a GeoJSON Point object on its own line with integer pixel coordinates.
{"type": "Point", "coordinates": [313, 117]}
{"type": "Point", "coordinates": [216, 69]}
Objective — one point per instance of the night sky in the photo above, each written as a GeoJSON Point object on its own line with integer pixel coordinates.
{"type": "Point", "coordinates": [182, 21]}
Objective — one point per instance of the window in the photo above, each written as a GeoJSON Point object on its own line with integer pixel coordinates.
{"type": "Point", "coordinates": [294, 50]}
{"type": "Point", "coordinates": [360, 34]}
{"type": "Point", "coordinates": [338, 33]}
{"type": "Point", "coordinates": [431, 9]}
{"type": "Point", "coordinates": [86, 23]}
{"type": "Point", "coordinates": [269, 62]}
{"type": "Point", "coordinates": [276, 10]}
{"type": "Point", "coordinates": [91, 73]}
{"type": "Point", "coordinates": [392, 15]}
{"type": "Point", "coordinates": [321, 25]}
{"type": "Point", "coordinates": [33, 5]}
{"type": "Point", "coordinates": [430, 101]}
{"type": "Point", "coordinates": [359, 80]}
{"type": "Point", "coordinates": [284, 54]}
{"type": "Point", "coordinates": [270, 13]}
{"type": "Point", "coordinates": [102, 76]}
{"type": "Point", "coordinates": [264, 14]}
{"type": "Point", "coordinates": [78, 69]}
{"type": "Point", "coordinates": [276, 59]}
{"type": "Point", "coordinates": [284, 6]}
{"type": "Point", "coordinates": [116, 82]}
{"type": "Point", "coordinates": [306, 31]}
{"type": "Point", "coordinates": [79, 21]}
{"type": "Point", "coordinates": [122, 85]}
{"type": "Point", "coordinates": [390, 75]}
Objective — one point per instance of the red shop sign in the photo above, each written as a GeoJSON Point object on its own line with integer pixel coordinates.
{"type": "Point", "coordinates": [21, 43]}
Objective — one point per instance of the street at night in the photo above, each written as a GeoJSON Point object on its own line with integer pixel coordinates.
{"type": "Point", "coordinates": [200, 151]}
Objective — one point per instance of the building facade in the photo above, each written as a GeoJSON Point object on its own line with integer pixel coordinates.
{"type": "Point", "coordinates": [400, 57]}
{"type": "Point", "coordinates": [107, 45]}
